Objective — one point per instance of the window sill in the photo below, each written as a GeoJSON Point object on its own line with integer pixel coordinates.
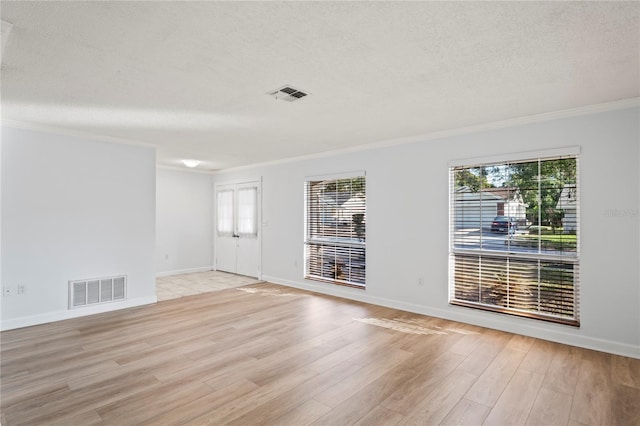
{"type": "Point", "coordinates": [513, 312]}
{"type": "Point", "coordinates": [335, 282]}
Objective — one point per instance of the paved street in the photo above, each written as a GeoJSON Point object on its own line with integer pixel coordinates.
{"type": "Point", "coordinates": [471, 239]}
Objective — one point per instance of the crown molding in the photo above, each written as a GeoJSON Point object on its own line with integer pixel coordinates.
{"type": "Point", "coordinates": [537, 118]}
{"type": "Point", "coordinates": [72, 133]}
{"type": "Point", "coordinates": [512, 122]}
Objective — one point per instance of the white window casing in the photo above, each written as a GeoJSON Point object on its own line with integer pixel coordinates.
{"type": "Point", "coordinates": [515, 236]}
{"type": "Point", "coordinates": [335, 229]}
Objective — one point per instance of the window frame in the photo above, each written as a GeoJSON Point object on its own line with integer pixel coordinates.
{"type": "Point", "coordinates": [314, 241]}
{"type": "Point", "coordinates": [495, 255]}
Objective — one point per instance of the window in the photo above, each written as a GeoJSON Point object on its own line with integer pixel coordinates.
{"type": "Point", "coordinates": [248, 211]}
{"type": "Point", "coordinates": [237, 211]}
{"type": "Point", "coordinates": [224, 224]}
{"type": "Point", "coordinates": [514, 244]}
{"type": "Point", "coordinates": [335, 222]}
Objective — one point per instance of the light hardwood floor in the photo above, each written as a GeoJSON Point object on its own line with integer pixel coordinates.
{"type": "Point", "coordinates": [266, 354]}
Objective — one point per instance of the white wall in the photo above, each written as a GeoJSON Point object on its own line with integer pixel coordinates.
{"type": "Point", "coordinates": [407, 224]}
{"type": "Point", "coordinates": [73, 208]}
{"type": "Point", "coordinates": [184, 218]}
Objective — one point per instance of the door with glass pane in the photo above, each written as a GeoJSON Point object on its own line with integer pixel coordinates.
{"type": "Point", "coordinates": [237, 233]}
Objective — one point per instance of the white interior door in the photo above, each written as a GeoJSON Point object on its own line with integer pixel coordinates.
{"type": "Point", "coordinates": [237, 233]}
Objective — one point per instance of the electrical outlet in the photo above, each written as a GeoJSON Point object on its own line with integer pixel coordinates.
{"type": "Point", "coordinates": [420, 281]}
{"type": "Point", "coordinates": [22, 289]}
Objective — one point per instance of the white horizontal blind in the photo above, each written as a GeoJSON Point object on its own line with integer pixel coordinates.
{"type": "Point", "coordinates": [335, 214]}
{"type": "Point", "coordinates": [514, 244]}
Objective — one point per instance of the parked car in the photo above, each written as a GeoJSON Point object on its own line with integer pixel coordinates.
{"type": "Point", "coordinates": [504, 224]}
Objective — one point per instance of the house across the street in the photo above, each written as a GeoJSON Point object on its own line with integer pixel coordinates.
{"type": "Point", "coordinates": [477, 209]}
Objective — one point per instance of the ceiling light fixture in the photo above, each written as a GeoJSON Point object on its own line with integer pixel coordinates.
{"type": "Point", "coordinates": [190, 163]}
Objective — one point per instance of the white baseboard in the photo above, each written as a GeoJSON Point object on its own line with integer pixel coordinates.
{"type": "Point", "coordinates": [184, 271]}
{"type": "Point", "coordinates": [48, 317]}
{"type": "Point", "coordinates": [523, 326]}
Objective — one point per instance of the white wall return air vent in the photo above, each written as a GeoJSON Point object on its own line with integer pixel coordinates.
{"type": "Point", "coordinates": [288, 93]}
{"type": "Point", "coordinates": [97, 290]}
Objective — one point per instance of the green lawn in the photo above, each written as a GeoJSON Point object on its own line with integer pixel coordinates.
{"type": "Point", "coordinates": [545, 230]}
{"type": "Point", "coordinates": [556, 238]}
{"type": "Point", "coordinates": [564, 242]}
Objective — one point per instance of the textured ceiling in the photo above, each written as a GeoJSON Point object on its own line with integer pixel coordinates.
{"type": "Point", "coordinates": [191, 77]}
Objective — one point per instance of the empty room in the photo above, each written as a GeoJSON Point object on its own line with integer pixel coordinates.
{"type": "Point", "coordinates": [320, 213]}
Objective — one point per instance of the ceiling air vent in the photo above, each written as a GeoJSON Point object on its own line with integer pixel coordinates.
{"type": "Point", "coordinates": [288, 93]}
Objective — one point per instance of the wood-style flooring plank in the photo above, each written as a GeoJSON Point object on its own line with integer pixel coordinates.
{"type": "Point", "coordinates": [466, 413]}
{"type": "Point", "coordinates": [363, 400]}
{"type": "Point", "coordinates": [288, 401]}
{"type": "Point", "coordinates": [156, 400]}
{"type": "Point", "coordinates": [592, 400]}
{"type": "Point", "coordinates": [514, 405]}
{"type": "Point", "coordinates": [47, 407]}
{"type": "Point", "coordinates": [303, 414]}
{"type": "Point", "coordinates": [86, 418]}
{"type": "Point", "coordinates": [381, 364]}
{"type": "Point", "coordinates": [626, 371]}
{"type": "Point", "coordinates": [467, 344]}
{"type": "Point", "coordinates": [539, 357]}
{"type": "Point", "coordinates": [199, 407]}
{"type": "Point", "coordinates": [550, 408]}
{"type": "Point", "coordinates": [442, 398]}
{"type": "Point", "coordinates": [491, 345]}
{"type": "Point", "coordinates": [562, 374]}
{"type": "Point", "coordinates": [380, 416]}
{"type": "Point", "coordinates": [236, 408]}
{"type": "Point", "coordinates": [492, 382]}
{"type": "Point", "coordinates": [429, 379]}
{"type": "Point", "coordinates": [625, 405]}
